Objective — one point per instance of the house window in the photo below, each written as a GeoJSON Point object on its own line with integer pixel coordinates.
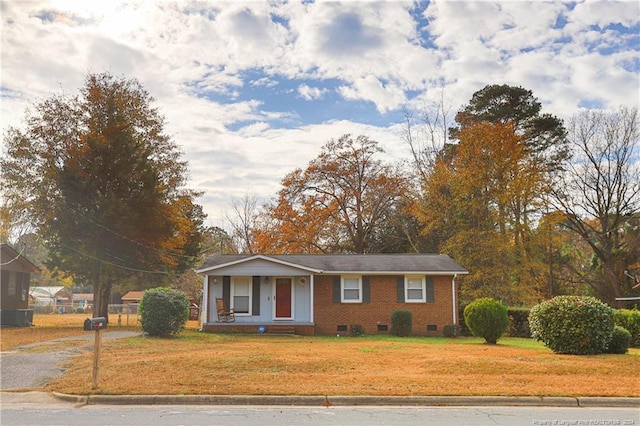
{"type": "Point", "coordinates": [12, 283]}
{"type": "Point", "coordinates": [414, 289]}
{"type": "Point", "coordinates": [351, 289]}
{"type": "Point", "coordinates": [241, 295]}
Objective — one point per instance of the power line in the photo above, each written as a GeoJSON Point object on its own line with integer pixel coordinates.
{"type": "Point", "coordinates": [115, 264]}
{"type": "Point", "coordinates": [15, 258]}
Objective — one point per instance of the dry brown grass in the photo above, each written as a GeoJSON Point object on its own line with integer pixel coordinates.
{"type": "Point", "coordinates": [198, 363]}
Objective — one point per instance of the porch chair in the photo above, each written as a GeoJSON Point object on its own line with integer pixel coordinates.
{"type": "Point", "coordinates": [223, 314]}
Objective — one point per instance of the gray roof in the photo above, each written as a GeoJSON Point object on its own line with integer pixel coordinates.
{"type": "Point", "coordinates": [341, 263]}
{"type": "Point", "coordinates": [12, 260]}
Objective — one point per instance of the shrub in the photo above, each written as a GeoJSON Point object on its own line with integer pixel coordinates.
{"type": "Point", "coordinates": [620, 339]}
{"type": "Point", "coordinates": [629, 319]}
{"type": "Point", "coordinates": [401, 323]}
{"type": "Point", "coordinates": [518, 322]}
{"type": "Point", "coordinates": [580, 325]}
{"type": "Point", "coordinates": [487, 318]}
{"type": "Point", "coordinates": [356, 330]}
{"type": "Point", "coordinates": [450, 330]}
{"type": "Point", "coordinates": [163, 311]}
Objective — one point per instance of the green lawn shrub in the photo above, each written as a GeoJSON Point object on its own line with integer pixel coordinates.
{"type": "Point", "coordinates": [356, 330]}
{"type": "Point", "coordinates": [401, 323]}
{"type": "Point", "coordinates": [163, 311]}
{"type": "Point", "coordinates": [518, 322]}
{"type": "Point", "coordinates": [579, 325]}
{"type": "Point", "coordinates": [620, 339]}
{"type": "Point", "coordinates": [629, 319]}
{"type": "Point", "coordinates": [450, 330]}
{"type": "Point", "coordinates": [487, 318]}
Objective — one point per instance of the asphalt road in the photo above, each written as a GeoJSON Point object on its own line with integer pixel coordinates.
{"type": "Point", "coordinates": [46, 410]}
{"type": "Point", "coordinates": [31, 367]}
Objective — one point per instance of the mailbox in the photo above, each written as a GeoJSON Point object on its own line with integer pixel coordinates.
{"type": "Point", "coordinates": [95, 324]}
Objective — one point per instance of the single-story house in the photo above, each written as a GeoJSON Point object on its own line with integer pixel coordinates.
{"type": "Point", "coordinates": [15, 275]}
{"type": "Point", "coordinates": [329, 294]}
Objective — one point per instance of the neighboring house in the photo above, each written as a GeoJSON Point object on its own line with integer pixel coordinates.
{"type": "Point", "coordinates": [327, 294]}
{"type": "Point", "coordinates": [15, 274]}
{"type": "Point", "coordinates": [51, 296]}
{"type": "Point", "coordinates": [131, 300]}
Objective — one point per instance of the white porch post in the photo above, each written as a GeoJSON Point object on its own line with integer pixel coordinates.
{"type": "Point", "coordinates": [204, 314]}
{"type": "Point", "coordinates": [311, 298]}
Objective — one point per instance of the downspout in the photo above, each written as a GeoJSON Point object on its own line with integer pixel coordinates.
{"type": "Point", "coordinates": [454, 301]}
{"type": "Point", "coordinates": [205, 301]}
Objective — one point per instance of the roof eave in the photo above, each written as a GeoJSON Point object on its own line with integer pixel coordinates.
{"type": "Point", "coordinates": [259, 257]}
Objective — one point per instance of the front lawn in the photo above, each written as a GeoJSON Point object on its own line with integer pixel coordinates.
{"type": "Point", "coordinates": [200, 363]}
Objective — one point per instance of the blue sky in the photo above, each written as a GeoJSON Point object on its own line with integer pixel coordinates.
{"type": "Point", "coordinates": [253, 89]}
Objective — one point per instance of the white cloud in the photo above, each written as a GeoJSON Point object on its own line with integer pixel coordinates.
{"type": "Point", "coordinates": [208, 63]}
{"type": "Point", "coordinates": [310, 93]}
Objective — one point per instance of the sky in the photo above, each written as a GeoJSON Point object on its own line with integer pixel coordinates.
{"type": "Point", "coordinates": [251, 90]}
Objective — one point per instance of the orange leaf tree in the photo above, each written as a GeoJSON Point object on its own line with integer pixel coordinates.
{"type": "Point", "coordinates": [341, 202]}
{"type": "Point", "coordinates": [104, 185]}
{"type": "Point", "coordinates": [474, 200]}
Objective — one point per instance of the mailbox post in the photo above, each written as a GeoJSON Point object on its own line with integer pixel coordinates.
{"type": "Point", "coordinates": [96, 324]}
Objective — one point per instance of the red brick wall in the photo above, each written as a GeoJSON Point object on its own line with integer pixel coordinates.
{"type": "Point", "coordinates": [328, 315]}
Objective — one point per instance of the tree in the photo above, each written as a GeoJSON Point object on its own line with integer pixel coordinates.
{"type": "Point", "coordinates": [104, 185]}
{"type": "Point", "coordinates": [544, 134]}
{"type": "Point", "coordinates": [472, 205]}
{"type": "Point", "coordinates": [600, 195]}
{"type": "Point", "coordinates": [244, 222]}
{"type": "Point", "coordinates": [338, 204]}
{"type": "Point", "coordinates": [426, 133]}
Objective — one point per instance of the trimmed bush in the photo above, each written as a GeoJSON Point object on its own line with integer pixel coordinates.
{"type": "Point", "coordinates": [620, 339]}
{"type": "Point", "coordinates": [163, 311]}
{"type": "Point", "coordinates": [401, 323]}
{"type": "Point", "coordinates": [356, 330]}
{"type": "Point", "coordinates": [629, 319]}
{"type": "Point", "coordinates": [487, 318]}
{"type": "Point", "coordinates": [518, 322]}
{"type": "Point", "coordinates": [450, 330]}
{"type": "Point", "coordinates": [579, 325]}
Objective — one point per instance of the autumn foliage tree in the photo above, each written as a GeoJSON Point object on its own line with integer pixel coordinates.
{"type": "Point", "coordinates": [472, 202]}
{"type": "Point", "coordinates": [338, 204]}
{"type": "Point", "coordinates": [104, 185]}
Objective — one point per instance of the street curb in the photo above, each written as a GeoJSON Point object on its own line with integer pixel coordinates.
{"type": "Point", "coordinates": [327, 401]}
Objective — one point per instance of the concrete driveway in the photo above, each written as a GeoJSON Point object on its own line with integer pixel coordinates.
{"type": "Point", "coordinates": [31, 366]}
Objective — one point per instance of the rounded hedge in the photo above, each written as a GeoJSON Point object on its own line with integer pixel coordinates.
{"type": "Point", "coordinates": [401, 323]}
{"type": "Point", "coordinates": [630, 320]}
{"type": "Point", "coordinates": [163, 311]}
{"type": "Point", "coordinates": [487, 318]}
{"type": "Point", "coordinates": [620, 340]}
{"type": "Point", "coordinates": [579, 325]}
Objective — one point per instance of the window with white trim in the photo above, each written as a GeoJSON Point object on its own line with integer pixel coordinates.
{"type": "Point", "coordinates": [414, 289]}
{"type": "Point", "coordinates": [241, 295]}
{"type": "Point", "coordinates": [351, 289]}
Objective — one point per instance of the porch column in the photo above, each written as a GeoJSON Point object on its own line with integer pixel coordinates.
{"type": "Point", "coordinates": [311, 298]}
{"type": "Point", "coordinates": [204, 311]}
